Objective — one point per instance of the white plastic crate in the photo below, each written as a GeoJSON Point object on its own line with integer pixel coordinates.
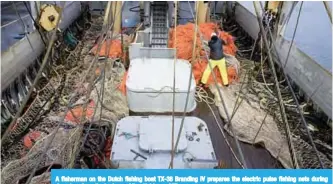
{"type": "Point", "coordinates": [145, 142]}
{"type": "Point", "coordinates": [149, 85]}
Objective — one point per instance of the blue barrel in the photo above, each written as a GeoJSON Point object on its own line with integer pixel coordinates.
{"type": "Point", "coordinates": [131, 14]}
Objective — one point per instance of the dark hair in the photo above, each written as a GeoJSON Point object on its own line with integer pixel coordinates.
{"type": "Point", "coordinates": [214, 38]}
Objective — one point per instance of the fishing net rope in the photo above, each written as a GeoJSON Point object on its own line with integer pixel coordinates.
{"type": "Point", "coordinates": [67, 141]}
{"type": "Point", "coordinates": [257, 99]}
{"type": "Point", "coordinates": [184, 45]}
{"type": "Point", "coordinates": [31, 115]}
{"type": "Point", "coordinates": [61, 151]}
{"type": "Point", "coordinates": [114, 102]}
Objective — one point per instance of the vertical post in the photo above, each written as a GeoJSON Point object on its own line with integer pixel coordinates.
{"type": "Point", "coordinates": [197, 7]}
{"type": "Point", "coordinates": [273, 5]}
{"type": "Point", "coordinates": [202, 11]}
{"type": "Point", "coordinates": [116, 8]}
{"type": "Point", "coordinates": [106, 17]}
{"type": "Point", "coordinates": [208, 12]}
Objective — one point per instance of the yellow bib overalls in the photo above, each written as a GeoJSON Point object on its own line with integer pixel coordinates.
{"type": "Point", "coordinates": [222, 68]}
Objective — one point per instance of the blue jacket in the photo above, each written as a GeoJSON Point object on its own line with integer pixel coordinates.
{"type": "Point", "coordinates": [216, 48]}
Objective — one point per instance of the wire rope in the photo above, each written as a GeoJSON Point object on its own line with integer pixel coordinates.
{"type": "Point", "coordinates": [174, 91]}
{"type": "Point", "coordinates": [294, 96]}
{"type": "Point", "coordinates": [294, 34]}
{"type": "Point", "coordinates": [69, 103]}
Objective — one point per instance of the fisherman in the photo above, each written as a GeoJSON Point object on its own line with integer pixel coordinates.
{"type": "Point", "coordinates": [217, 58]}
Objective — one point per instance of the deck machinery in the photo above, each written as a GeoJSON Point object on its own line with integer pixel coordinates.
{"type": "Point", "coordinates": [159, 18]}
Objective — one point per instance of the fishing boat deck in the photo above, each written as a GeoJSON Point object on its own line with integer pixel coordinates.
{"type": "Point", "coordinates": [255, 155]}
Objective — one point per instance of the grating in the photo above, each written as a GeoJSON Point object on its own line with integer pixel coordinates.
{"type": "Point", "coordinates": [159, 25]}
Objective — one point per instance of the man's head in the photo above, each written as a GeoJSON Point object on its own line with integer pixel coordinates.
{"type": "Point", "coordinates": [213, 36]}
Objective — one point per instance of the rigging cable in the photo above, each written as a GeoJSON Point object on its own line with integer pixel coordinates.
{"type": "Point", "coordinates": [285, 22]}
{"type": "Point", "coordinates": [106, 21]}
{"type": "Point", "coordinates": [101, 97]}
{"type": "Point", "coordinates": [202, 96]}
{"type": "Point", "coordinates": [39, 74]}
{"type": "Point", "coordinates": [174, 90]}
{"type": "Point", "coordinates": [189, 81]}
{"type": "Point", "coordinates": [33, 50]}
{"type": "Point", "coordinates": [35, 23]}
{"type": "Point", "coordinates": [292, 91]}
{"type": "Point", "coordinates": [220, 95]}
{"type": "Point", "coordinates": [222, 99]}
{"type": "Point", "coordinates": [281, 105]}
{"type": "Point", "coordinates": [294, 34]}
{"type": "Point", "coordinates": [93, 63]}
{"type": "Point", "coordinates": [328, 10]}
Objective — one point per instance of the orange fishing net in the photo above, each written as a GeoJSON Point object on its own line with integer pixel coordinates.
{"type": "Point", "coordinates": [185, 40]}
{"type": "Point", "coordinates": [122, 86]}
{"type": "Point", "coordinates": [78, 111]}
{"type": "Point", "coordinates": [30, 138]}
{"type": "Point", "coordinates": [184, 48]}
{"type": "Point", "coordinates": [114, 49]}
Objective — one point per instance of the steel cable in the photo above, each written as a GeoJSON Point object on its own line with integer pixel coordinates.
{"type": "Point", "coordinates": [35, 23]}
{"type": "Point", "coordinates": [39, 74]}
{"type": "Point", "coordinates": [189, 84]}
{"type": "Point", "coordinates": [281, 105]}
{"type": "Point", "coordinates": [328, 10]}
{"type": "Point", "coordinates": [223, 103]}
{"type": "Point", "coordinates": [202, 96]}
{"type": "Point", "coordinates": [293, 94]}
{"type": "Point", "coordinates": [69, 103]}
{"type": "Point", "coordinates": [294, 34]}
{"type": "Point", "coordinates": [100, 99]}
{"type": "Point", "coordinates": [174, 90]}
{"type": "Point", "coordinates": [104, 68]}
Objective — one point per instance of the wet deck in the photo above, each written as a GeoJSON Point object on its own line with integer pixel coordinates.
{"type": "Point", "coordinates": [256, 157]}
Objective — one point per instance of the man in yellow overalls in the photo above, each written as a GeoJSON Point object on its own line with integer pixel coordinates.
{"type": "Point", "coordinates": [216, 59]}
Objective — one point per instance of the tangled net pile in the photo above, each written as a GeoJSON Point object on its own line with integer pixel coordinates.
{"type": "Point", "coordinates": [115, 47]}
{"type": "Point", "coordinates": [114, 103]}
{"type": "Point", "coordinates": [263, 86]}
{"type": "Point", "coordinates": [184, 35]}
{"type": "Point", "coordinates": [19, 159]}
{"type": "Point", "coordinates": [255, 97]}
{"type": "Point", "coordinates": [304, 150]}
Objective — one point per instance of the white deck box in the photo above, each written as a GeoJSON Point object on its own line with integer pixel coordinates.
{"type": "Point", "coordinates": [145, 142]}
{"type": "Point", "coordinates": [149, 85]}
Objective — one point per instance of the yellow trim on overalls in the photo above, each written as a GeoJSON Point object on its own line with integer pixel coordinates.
{"type": "Point", "coordinates": [222, 68]}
